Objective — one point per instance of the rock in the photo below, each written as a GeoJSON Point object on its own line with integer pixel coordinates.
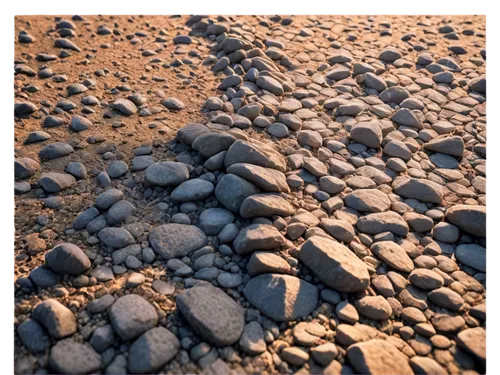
{"type": "Point", "coordinates": [117, 169]}
{"type": "Point", "coordinates": [265, 205]}
{"type": "Point", "coordinates": [172, 103]}
{"type": "Point", "coordinates": [270, 84]}
{"type": "Point", "coordinates": [55, 150]}
{"type": "Point", "coordinates": [472, 255]}
{"type": "Point", "coordinates": [190, 132]}
{"type": "Point", "coordinates": [332, 185]}
{"type": "Point", "coordinates": [151, 351]}
{"type": "Point", "coordinates": [24, 108]}
{"type": "Point", "coordinates": [397, 149]}
{"type": "Point", "coordinates": [426, 365]}
{"type": "Point", "coordinates": [394, 255]}
{"type": "Point", "coordinates": [84, 218]}
{"type": "Point", "coordinates": [252, 339]}
{"type": "Point", "coordinates": [281, 297]}
{"type": "Point", "coordinates": [131, 316]}
{"type": "Point", "coordinates": [212, 314]}
{"type": "Point", "coordinates": [266, 179]}
{"type": "Point", "coordinates": [124, 106]}
{"type": "Point", "coordinates": [77, 169]}
{"type": "Point", "coordinates": [423, 190]}
{"type": "Point", "coordinates": [394, 94]}
{"type": "Point", "coordinates": [192, 190]}
{"type": "Point", "coordinates": [115, 237]}
{"type": "Point", "coordinates": [367, 133]}
{"type": "Point", "coordinates": [258, 237]}
{"type": "Point", "coordinates": [378, 357]}
{"type": "Point", "coordinates": [33, 336]}
{"type": "Point", "coordinates": [334, 264]}
{"type": "Point", "coordinates": [71, 357]}
{"type": "Point", "coordinates": [176, 240]}
{"type": "Point", "coordinates": [473, 340]}
{"type": "Point", "coordinates": [368, 200]}
{"type": "Point", "coordinates": [471, 219]}
{"type": "Point", "coordinates": [264, 262]}
{"type": "Point", "coordinates": [453, 146]}
{"type": "Point", "coordinates": [295, 356]}
{"type": "Point", "coordinates": [232, 190]}
{"type": "Point", "coordinates": [256, 153]}
{"type": "Point", "coordinates": [53, 182]}
{"type": "Point", "coordinates": [382, 222]}
{"type": "Point", "coordinates": [374, 307]}
{"type": "Point", "coordinates": [166, 173]}
{"type": "Point", "coordinates": [67, 259]}
{"type": "Point", "coordinates": [56, 318]}
{"type": "Point", "coordinates": [25, 168]}
{"type": "Point", "coordinates": [426, 279]}
{"type": "Point", "coordinates": [447, 298]}
{"type": "Point", "coordinates": [108, 198]}
{"type": "Point", "coordinates": [210, 144]}
{"type": "Point", "coordinates": [80, 123]}
{"type": "Point", "coordinates": [339, 229]}
{"type": "Point", "coordinates": [213, 220]}
{"type": "Point", "coordinates": [120, 211]}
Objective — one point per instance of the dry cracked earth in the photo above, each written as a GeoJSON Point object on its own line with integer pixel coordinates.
{"type": "Point", "coordinates": [250, 194]}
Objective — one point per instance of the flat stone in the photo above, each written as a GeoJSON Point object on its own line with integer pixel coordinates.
{"type": "Point", "coordinates": [124, 106]}
{"type": "Point", "coordinates": [151, 351]}
{"type": "Point", "coordinates": [265, 205]}
{"type": "Point", "coordinates": [281, 297]}
{"type": "Point", "coordinates": [210, 144]}
{"type": "Point", "coordinates": [334, 264]}
{"type": "Point", "coordinates": [166, 173]}
{"type": "Point", "coordinates": [71, 357]}
{"type": "Point", "coordinates": [131, 316]}
{"type": "Point", "coordinates": [474, 341]}
{"type": "Point", "coordinates": [383, 222]}
{"type": "Point", "coordinates": [53, 182]}
{"type": "Point", "coordinates": [472, 255]}
{"type": "Point", "coordinates": [423, 190]}
{"type": "Point", "coordinates": [266, 179]}
{"type": "Point", "coordinates": [108, 198]}
{"type": "Point", "coordinates": [116, 237]}
{"type": "Point", "coordinates": [453, 146]}
{"type": "Point", "coordinates": [258, 153]}
{"type": "Point", "coordinates": [176, 240]}
{"type": "Point", "coordinates": [447, 298]}
{"type": "Point", "coordinates": [374, 307]}
{"type": "Point", "coordinates": [368, 200]}
{"type": "Point", "coordinates": [258, 237]}
{"type": "Point", "coordinates": [188, 133]}
{"type": "Point", "coordinates": [378, 357]}
{"type": "Point", "coordinates": [192, 190]}
{"type": "Point", "coordinates": [216, 317]}
{"type": "Point", "coordinates": [56, 318]}
{"type": "Point", "coordinates": [471, 219]}
{"type": "Point", "coordinates": [55, 150]}
{"type": "Point", "coordinates": [252, 339]}
{"type": "Point", "coordinates": [265, 262]}
{"type": "Point", "coordinates": [394, 255]}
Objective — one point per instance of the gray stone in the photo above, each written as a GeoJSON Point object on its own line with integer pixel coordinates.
{"type": "Point", "coordinates": [71, 357]}
{"type": "Point", "coordinates": [53, 182]}
{"type": "Point", "coordinates": [380, 222]}
{"type": "Point", "coordinates": [266, 179]}
{"type": "Point", "coordinates": [25, 168]}
{"type": "Point", "coordinates": [55, 150]}
{"type": "Point", "coordinates": [368, 200]}
{"type": "Point", "coordinates": [258, 153]}
{"type": "Point", "coordinates": [258, 237]}
{"type": "Point", "coordinates": [33, 336]}
{"type": "Point", "coordinates": [252, 340]}
{"type": "Point", "coordinates": [265, 205]}
{"type": "Point", "coordinates": [117, 168]}
{"type": "Point", "coordinates": [472, 255]}
{"type": "Point", "coordinates": [166, 173]}
{"type": "Point", "coordinates": [108, 198]}
{"type": "Point", "coordinates": [232, 190]}
{"type": "Point", "coordinates": [213, 220]}
{"type": "Point", "coordinates": [423, 190]}
{"type": "Point", "coordinates": [151, 351]}
{"type": "Point", "coordinates": [120, 211]}
{"type": "Point", "coordinates": [124, 106]}
{"type": "Point", "coordinates": [192, 190]}
{"type": "Point", "coordinates": [116, 237]}
{"type": "Point", "coordinates": [176, 240]}
{"type": "Point", "coordinates": [216, 317]}
{"type": "Point", "coordinates": [67, 259]}
{"type": "Point", "coordinates": [471, 219]}
{"type": "Point", "coordinates": [131, 316]}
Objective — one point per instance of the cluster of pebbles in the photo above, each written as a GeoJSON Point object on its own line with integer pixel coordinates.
{"type": "Point", "coordinates": [325, 213]}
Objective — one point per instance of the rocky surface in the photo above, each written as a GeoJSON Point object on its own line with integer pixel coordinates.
{"type": "Point", "coordinates": [251, 194]}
